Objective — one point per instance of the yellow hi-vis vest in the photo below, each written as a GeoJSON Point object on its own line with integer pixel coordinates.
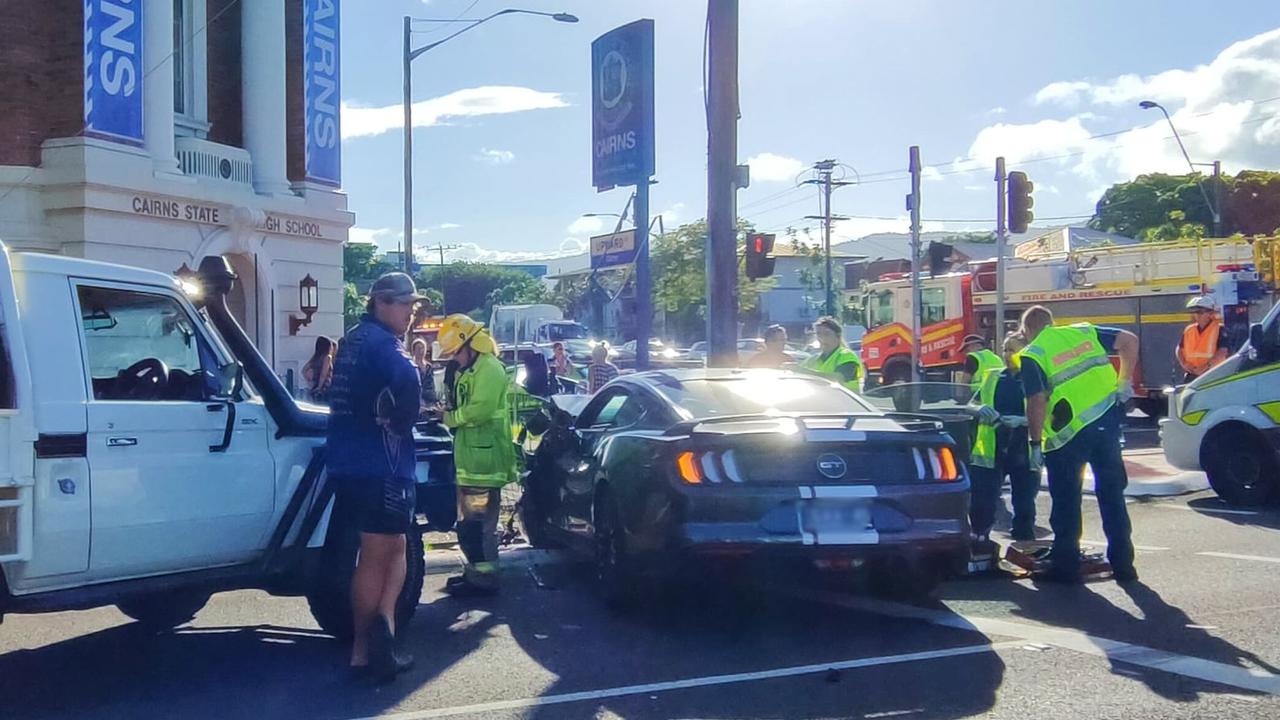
{"type": "Point", "coordinates": [1082, 383]}
{"type": "Point", "coordinates": [840, 356]}
{"type": "Point", "coordinates": [984, 440]}
{"type": "Point", "coordinates": [986, 360]}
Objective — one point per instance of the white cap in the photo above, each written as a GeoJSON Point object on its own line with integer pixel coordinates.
{"type": "Point", "coordinates": [1202, 302]}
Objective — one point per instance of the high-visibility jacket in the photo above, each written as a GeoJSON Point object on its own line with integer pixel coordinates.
{"type": "Point", "coordinates": [1082, 383]}
{"type": "Point", "coordinates": [483, 452]}
{"type": "Point", "coordinates": [986, 360]}
{"type": "Point", "coordinates": [984, 440]}
{"type": "Point", "coordinates": [840, 356]}
{"type": "Point", "coordinates": [1199, 346]}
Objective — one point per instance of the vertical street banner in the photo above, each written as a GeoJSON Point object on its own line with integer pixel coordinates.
{"type": "Point", "coordinates": [321, 76]}
{"type": "Point", "coordinates": [113, 69]}
{"type": "Point", "coordinates": [622, 106]}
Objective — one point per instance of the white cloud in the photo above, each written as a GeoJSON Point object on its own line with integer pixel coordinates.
{"type": "Point", "coordinates": [385, 238]}
{"type": "Point", "coordinates": [469, 102]}
{"type": "Point", "coordinates": [1217, 108]}
{"type": "Point", "coordinates": [930, 174]}
{"type": "Point", "coordinates": [448, 226]}
{"type": "Point", "coordinates": [573, 246]}
{"type": "Point", "coordinates": [672, 215]}
{"type": "Point", "coordinates": [768, 167]}
{"type": "Point", "coordinates": [998, 110]}
{"type": "Point", "coordinates": [496, 157]}
{"type": "Point", "coordinates": [586, 226]}
{"type": "Point", "coordinates": [472, 252]}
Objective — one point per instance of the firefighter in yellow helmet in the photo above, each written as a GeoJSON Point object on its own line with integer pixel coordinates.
{"type": "Point", "coordinates": [484, 457]}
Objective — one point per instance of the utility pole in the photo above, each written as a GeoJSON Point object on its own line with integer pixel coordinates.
{"type": "Point", "coordinates": [917, 302]}
{"type": "Point", "coordinates": [825, 183]}
{"type": "Point", "coordinates": [643, 289]}
{"type": "Point", "coordinates": [442, 247]}
{"type": "Point", "coordinates": [1001, 240]}
{"type": "Point", "coordinates": [1217, 198]}
{"type": "Point", "coordinates": [408, 148]}
{"type": "Point", "coordinates": [722, 154]}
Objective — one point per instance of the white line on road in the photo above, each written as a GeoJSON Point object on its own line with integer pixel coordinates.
{"type": "Point", "coordinates": [1234, 556]}
{"type": "Point", "coordinates": [1244, 678]}
{"type": "Point", "coordinates": [1140, 548]}
{"type": "Point", "coordinates": [481, 708]}
{"type": "Point", "coordinates": [1220, 511]}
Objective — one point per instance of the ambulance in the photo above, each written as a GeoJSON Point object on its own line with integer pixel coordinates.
{"type": "Point", "coordinates": [1227, 421]}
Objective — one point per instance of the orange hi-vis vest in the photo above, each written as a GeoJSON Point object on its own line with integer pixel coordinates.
{"type": "Point", "coordinates": [1199, 346]}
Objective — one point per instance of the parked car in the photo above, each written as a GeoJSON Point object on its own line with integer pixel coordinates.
{"type": "Point", "coordinates": [749, 347]}
{"type": "Point", "coordinates": [666, 466]}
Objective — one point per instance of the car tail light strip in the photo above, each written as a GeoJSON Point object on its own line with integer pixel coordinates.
{"type": "Point", "coordinates": [711, 467]}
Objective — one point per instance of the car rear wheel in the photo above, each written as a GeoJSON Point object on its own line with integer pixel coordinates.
{"type": "Point", "coordinates": [615, 575]}
{"type": "Point", "coordinates": [165, 611]}
{"type": "Point", "coordinates": [1241, 468]}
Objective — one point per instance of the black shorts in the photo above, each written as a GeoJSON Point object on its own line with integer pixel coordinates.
{"type": "Point", "coordinates": [383, 506]}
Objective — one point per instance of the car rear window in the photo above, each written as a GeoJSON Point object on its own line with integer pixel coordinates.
{"type": "Point", "coordinates": [747, 395]}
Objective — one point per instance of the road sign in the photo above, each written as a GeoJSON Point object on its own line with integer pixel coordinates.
{"type": "Point", "coordinates": [613, 249]}
{"type": "Point", "coordinates": [622, 106]}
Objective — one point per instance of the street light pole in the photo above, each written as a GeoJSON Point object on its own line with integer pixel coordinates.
{"type": "Point", "coordinates": [1213, 209]}
{"type": "Point", "coordinates": [408, 56]}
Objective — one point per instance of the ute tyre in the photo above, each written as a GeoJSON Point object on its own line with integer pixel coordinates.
{"type": "Point", "coordinates": [165, 611]}
{"type": "Point", "coordinates": [1241, 470]}
{"type": "Point", "coordinates": [330, 595]}
{"type": "Point", "coordinates": [905, 580]}
{"type": "Point", "coordinates": [616, 579]}
{"type": "Point", "coordinates": [533, 522]}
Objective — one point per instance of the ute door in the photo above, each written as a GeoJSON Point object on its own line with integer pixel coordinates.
{"type": "Point", "coordinates": [17, 442]}
{"type": "Point", "coordinates": [172, 490]}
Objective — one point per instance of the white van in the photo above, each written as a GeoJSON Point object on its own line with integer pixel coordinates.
{"type": "Point", "coordinates": [1227, 421]}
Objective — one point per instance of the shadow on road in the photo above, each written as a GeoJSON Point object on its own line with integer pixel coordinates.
{"type": "Point", "coordinates": [1159, 625]}
{"type": "Point", "coordinates": [1267, 517]}
{"type": "Point", "coordinates": [723, 624]}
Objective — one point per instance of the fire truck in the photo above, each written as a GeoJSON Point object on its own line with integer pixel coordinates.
{"type": "Point", "coordinates": [1141, 288]}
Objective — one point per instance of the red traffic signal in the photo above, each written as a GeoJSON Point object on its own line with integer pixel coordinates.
{"type": "Point", "coordinates": [1020, 202]}
{"type": "Point", "coordinates": [759, 259]}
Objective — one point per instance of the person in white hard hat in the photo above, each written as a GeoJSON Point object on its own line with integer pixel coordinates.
{"type": "Point", "coordinates": [1203, 344]}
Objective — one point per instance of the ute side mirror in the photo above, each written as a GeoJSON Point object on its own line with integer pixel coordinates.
{"type": "Point", "coordinates": [1256, 336]}
{"type": "Point", "coordinates": [230, 381]}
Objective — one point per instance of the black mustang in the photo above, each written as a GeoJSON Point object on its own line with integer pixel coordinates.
{"type": "Point", "coordinates": [668, 465]}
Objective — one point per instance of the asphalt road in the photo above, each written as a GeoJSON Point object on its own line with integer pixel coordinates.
{"type": "Point", "coordinates": [1197, 638]}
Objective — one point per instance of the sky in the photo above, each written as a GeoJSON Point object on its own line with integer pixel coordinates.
{"type": "Point", "coordinates": [502, 146]}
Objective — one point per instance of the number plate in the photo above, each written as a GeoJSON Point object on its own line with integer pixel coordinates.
{"type": "Point", "coordinates": [837, 522]}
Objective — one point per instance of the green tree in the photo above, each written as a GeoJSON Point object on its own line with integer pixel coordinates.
{"type": "Point", "coordinates": [1251, 203]}
{"type": "Point", "coordinates": [352, 306]}
{"type": "Point", "coordinates": [1130, 208]}
{"type": "Point", "coordinates": [679, 263]}
{"type": "Point", "coordinates": [474, 288]}
{"type": "Point", "coordinates": [361, 264]}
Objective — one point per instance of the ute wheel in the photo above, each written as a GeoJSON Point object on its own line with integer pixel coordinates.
{"type": "Point", "coordinates": [165, 611]}
{"type": "Point", "coordinates": [1240, 467]}
{"type": "Point", "coordinates": [615, 575]}
{"type": "Point", "coordinates": [1152, 407]}
{"type": "Point", "coordinates": [330, 593]}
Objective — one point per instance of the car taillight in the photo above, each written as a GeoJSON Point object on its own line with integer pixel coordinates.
{"type": "Point", "coordinates": [687, 463]}
{"type": "Point", "coordinates": [936, 464]}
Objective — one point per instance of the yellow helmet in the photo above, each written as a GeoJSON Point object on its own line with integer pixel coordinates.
{"type": "Point", "coordinates": [456, 331]}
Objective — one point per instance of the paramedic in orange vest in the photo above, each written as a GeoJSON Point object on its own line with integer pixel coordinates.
{"type": "Point", "coordinates": [1203, 344]}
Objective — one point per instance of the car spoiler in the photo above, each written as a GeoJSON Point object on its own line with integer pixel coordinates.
{"type": "Point", "coordinates": [907, 421]}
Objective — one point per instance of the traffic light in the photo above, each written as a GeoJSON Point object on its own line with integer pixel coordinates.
{"type": "Point", "coordinates": [759, 259]}
{"type": "Point", "coordinates": [1020, 202]}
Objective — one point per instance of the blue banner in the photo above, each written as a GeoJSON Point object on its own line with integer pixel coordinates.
{"type": "Point", "coordinates": [622, 106]}
{"type": "Point", "coordinates": [113, 69]}
{"type": "Point", "coordinates": [321, 76]}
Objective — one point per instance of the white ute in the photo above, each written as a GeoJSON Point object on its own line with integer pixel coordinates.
{"type": "Point", "coordinates": [150, 457]}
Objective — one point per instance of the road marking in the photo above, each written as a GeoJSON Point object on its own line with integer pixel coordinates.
{"type": "Point", "coordinates": [706, 681]}
{"type": "Point", "coordinates": [1244, 678]}
{"type": "Point", "coordinates": [1234, 556]}
{"type": "Point", "coordinates": [1221, 511]}
{"type": "Point", "coordinates": [1142, 548]}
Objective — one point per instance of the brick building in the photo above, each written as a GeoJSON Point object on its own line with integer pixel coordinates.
{"type": "Point", "coordinates": [157, 132]}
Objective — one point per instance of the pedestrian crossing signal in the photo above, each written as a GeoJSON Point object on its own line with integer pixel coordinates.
{"type": "Point", "coordinates": [759, 255]}
{"type": "Point", "coordinates": [1020, 202]}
